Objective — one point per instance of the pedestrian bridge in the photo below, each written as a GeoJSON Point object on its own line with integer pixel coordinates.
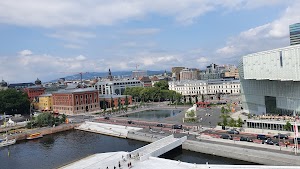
{"type": "Point", "coordinates": [157, 148]}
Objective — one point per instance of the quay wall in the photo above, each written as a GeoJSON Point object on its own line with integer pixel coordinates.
{"type": "Point", "coordinates": [45, 131]}
{"type": "Point", "coordinates": [244, 154]}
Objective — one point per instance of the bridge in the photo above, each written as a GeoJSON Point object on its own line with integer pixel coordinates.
{"type": "Point", "coordinates": [113, 159]}
{"type": "Point", "coordinates": [158, 147]}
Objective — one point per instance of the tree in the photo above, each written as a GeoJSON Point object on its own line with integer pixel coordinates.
{"type": "Point", "coordinates": [224, 115]}
{"type": "Point", "coordinates": [239, 122]}
{"type": "Point", "coordinates": [202, 98]}
{"type": "Point", "coordinates": [112, 105]}
{"type": "Point", "coordinates": [104, 105]}
{"type": "Point", "coordinates": [196, 99]}
{"type": "Point", "coordinates": [287, 126]}
{"type": "Point", "coordinates": [14, 102]}
{"type": "Point", "coordinates": [191, 114]}
{"type": "Point", "coordinates": [119, 104]}
{"type": "Point", "coordinates": [232, 122]}
{"type": "Point", "coordinates": [190, 99]}
{"type": "Point", "coordinates": [163, 85]}
{"type": "Point", "coordinates": [184, 99]}
{"type": "Point", "coordinates": [126, 103]}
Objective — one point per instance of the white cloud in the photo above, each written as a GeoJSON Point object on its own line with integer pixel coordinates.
{"type": "Point", "coordinates": [143, 31]}
{"type": "Point", "coordinates": [82, 13]}
{"type": "Point", "coordinates": [25, 52]}
{"type": "Point", "coordinates": [268, 36]}
{"type": "Point", "coordinates": [72, 36]}
{"type": "Point", "coordinates": [80, 58]}
{"type": "Point", "coordinates": [72, 46]}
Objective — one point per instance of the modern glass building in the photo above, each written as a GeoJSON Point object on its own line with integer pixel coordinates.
{"type": "Point", "coordinates": [270, 81]}
{"type": "Point", "coordinates": [295, 34]}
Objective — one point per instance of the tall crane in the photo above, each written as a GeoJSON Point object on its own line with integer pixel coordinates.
{"type": "Point", "coordinates": [81, 73]}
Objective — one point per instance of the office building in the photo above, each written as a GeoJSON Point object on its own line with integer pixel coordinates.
{"type": "Point", "coordinates": [76, 101]}
{"type": "Point", "coordinates": [270, 81]}
{"type": "Point", "coordinates": [206, 87]}
{"type": "Point", "coordinates": [115, 87]}
{"type": "Point", "coordinates": [295, 34]}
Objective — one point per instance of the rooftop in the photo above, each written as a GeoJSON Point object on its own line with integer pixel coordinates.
{"type": "Point", "coordinates": [81, 90]}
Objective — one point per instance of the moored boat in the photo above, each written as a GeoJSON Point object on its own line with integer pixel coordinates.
{"type": "Point", "coordinates": [34, 136]}
{"type": "Point", "coordinates": [7, 142]}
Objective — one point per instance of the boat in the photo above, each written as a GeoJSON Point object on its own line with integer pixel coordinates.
{"type": "Point", "coordinates": [7, 142]}
{"type": "Point", "coordinates": [34, 136]}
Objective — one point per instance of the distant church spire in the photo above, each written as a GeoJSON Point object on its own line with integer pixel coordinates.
{"type": "Point", "coordinates": [109, 75]}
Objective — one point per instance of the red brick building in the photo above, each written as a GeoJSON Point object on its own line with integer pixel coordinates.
{"type": "Point", "coordinates": [76, 101]}
{"type": "Point", "coordinates": [108, 100]}
{"type": "Point", "coordinates": [34, 91]}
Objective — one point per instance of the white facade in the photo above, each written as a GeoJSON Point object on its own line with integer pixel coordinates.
{"type": "Point", "coordinates": [270, 81]}
{"type": "Point", "coordinates": [115, 87]}
{"type": "Point", "coordinates": [279, 64]}
{"type": "Point", "coordinates": [198, 87]}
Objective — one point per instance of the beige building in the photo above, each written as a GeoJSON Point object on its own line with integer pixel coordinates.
{"type": "Point", "coordinates": [45, 102]}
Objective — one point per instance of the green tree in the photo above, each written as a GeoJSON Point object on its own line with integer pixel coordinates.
{"type": "Point", "coordinates": [14, 102]}
{"type": "Point", "coordinates": [163, 85]}
{"type": "Point", "coordinates": [190, 99]}
{"type": "Point", "coordinates": [184, 99]}
{"type": "Point", "coordinates": [191, 113]}
{"type": "Point", "coordinates": [104, 105]}
{"type": "Point", "coordinates": [112, 105]}
{"type": "Point", "coordinates": [196, 99]}
{"type": "Point", "coordinates": [239, 122]}
{"type": "Point", "coordinates": [232, 122]}
{"type": "Point", "coordinates": [126, 103]}
{"type": "Point", "coordinates": [202, 98]}
{"type": "Point", "coordinates": [224, 115]}
{"type": "Point", "coordinates": [287, 126]}
{"type": "Point", "coordinates": [119, 104]}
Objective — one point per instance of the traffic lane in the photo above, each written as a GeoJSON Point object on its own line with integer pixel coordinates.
{"type": "Point", "coordinates": [249, 135]}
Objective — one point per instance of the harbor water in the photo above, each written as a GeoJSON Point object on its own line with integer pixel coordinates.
{"type": "Point", "coordinates": [53, 151]}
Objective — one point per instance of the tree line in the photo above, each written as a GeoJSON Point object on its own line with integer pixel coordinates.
{"type": "Point", "coordinates": [160, 92]}
{"type": "Point", "coordinates": [14, 102]}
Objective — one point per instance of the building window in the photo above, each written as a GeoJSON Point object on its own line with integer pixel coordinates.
{"type": "Point", "coordinates": [280, 55]}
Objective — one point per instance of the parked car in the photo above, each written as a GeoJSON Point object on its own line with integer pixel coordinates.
{"type": "Point", "coordinates": [271, 142]}
{"type": "Point", "coordinates": [261, 137]}
{"type": "Point", "coordinates": [106, 118]}
{"type": "Point", "coordinates": [176, 126]}
{"type": "Point", "coordinates": [161, 125]}
{"type": "Point", "coordinates": [246, 139]}
{"type": "Point", "coordinates": [226, 136]}
{"type": "Point", "coordinates": [130, 122]}
{"type": "Point", "coordinates": [233, 131]}
{"type": "Point", "coordinates": [282, 136]}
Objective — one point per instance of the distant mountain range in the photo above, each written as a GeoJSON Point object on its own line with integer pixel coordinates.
{"type": "Point", "coordinates": [120, 74]}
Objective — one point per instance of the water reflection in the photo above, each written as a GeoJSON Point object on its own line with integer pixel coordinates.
{"type": "Point", "coordinates": [153, 114]}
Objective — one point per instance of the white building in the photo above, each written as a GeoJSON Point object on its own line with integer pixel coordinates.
{"type": "Point", "coordinates": [115, 87]}
{"type": "Point", "coordinates": [198, 87]}
{"type": "Point", "coordinates": [270, 81]}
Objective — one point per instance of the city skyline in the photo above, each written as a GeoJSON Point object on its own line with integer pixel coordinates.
{"type": "Point", "coordinates": [41, 39]}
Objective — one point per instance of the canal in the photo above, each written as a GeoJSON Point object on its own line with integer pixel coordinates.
{"type": "Point", "coordinates": [59, 149]}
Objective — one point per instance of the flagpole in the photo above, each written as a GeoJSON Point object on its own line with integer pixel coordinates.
{"type": "Point", "coordinates": [296, 137]}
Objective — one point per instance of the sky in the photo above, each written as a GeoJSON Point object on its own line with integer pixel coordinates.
{"type": "Point", "coordinates": [48, 39]}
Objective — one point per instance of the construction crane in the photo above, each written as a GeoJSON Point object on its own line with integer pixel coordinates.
{"type": "Point", "coordinates": [81, 73]}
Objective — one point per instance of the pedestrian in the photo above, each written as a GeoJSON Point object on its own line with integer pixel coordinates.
{"type": "Point", "coordinates": [115, 167]}
{"type": "Point", "coordinates": [129, 155]}
{"type": "Point", "coordinates": [106, 167]}
{"type": "Point", "coordinates": [119, 164]}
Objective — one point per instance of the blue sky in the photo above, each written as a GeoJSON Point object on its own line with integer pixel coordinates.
{"type": "Point", "coordinates": [41, 38]}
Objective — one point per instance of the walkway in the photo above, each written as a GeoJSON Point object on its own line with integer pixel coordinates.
{"type": "Point", "coordinates": [158, 147]}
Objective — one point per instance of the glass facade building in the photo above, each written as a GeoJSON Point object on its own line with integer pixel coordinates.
{"type": "Point", "coordinates": [295, 34]}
